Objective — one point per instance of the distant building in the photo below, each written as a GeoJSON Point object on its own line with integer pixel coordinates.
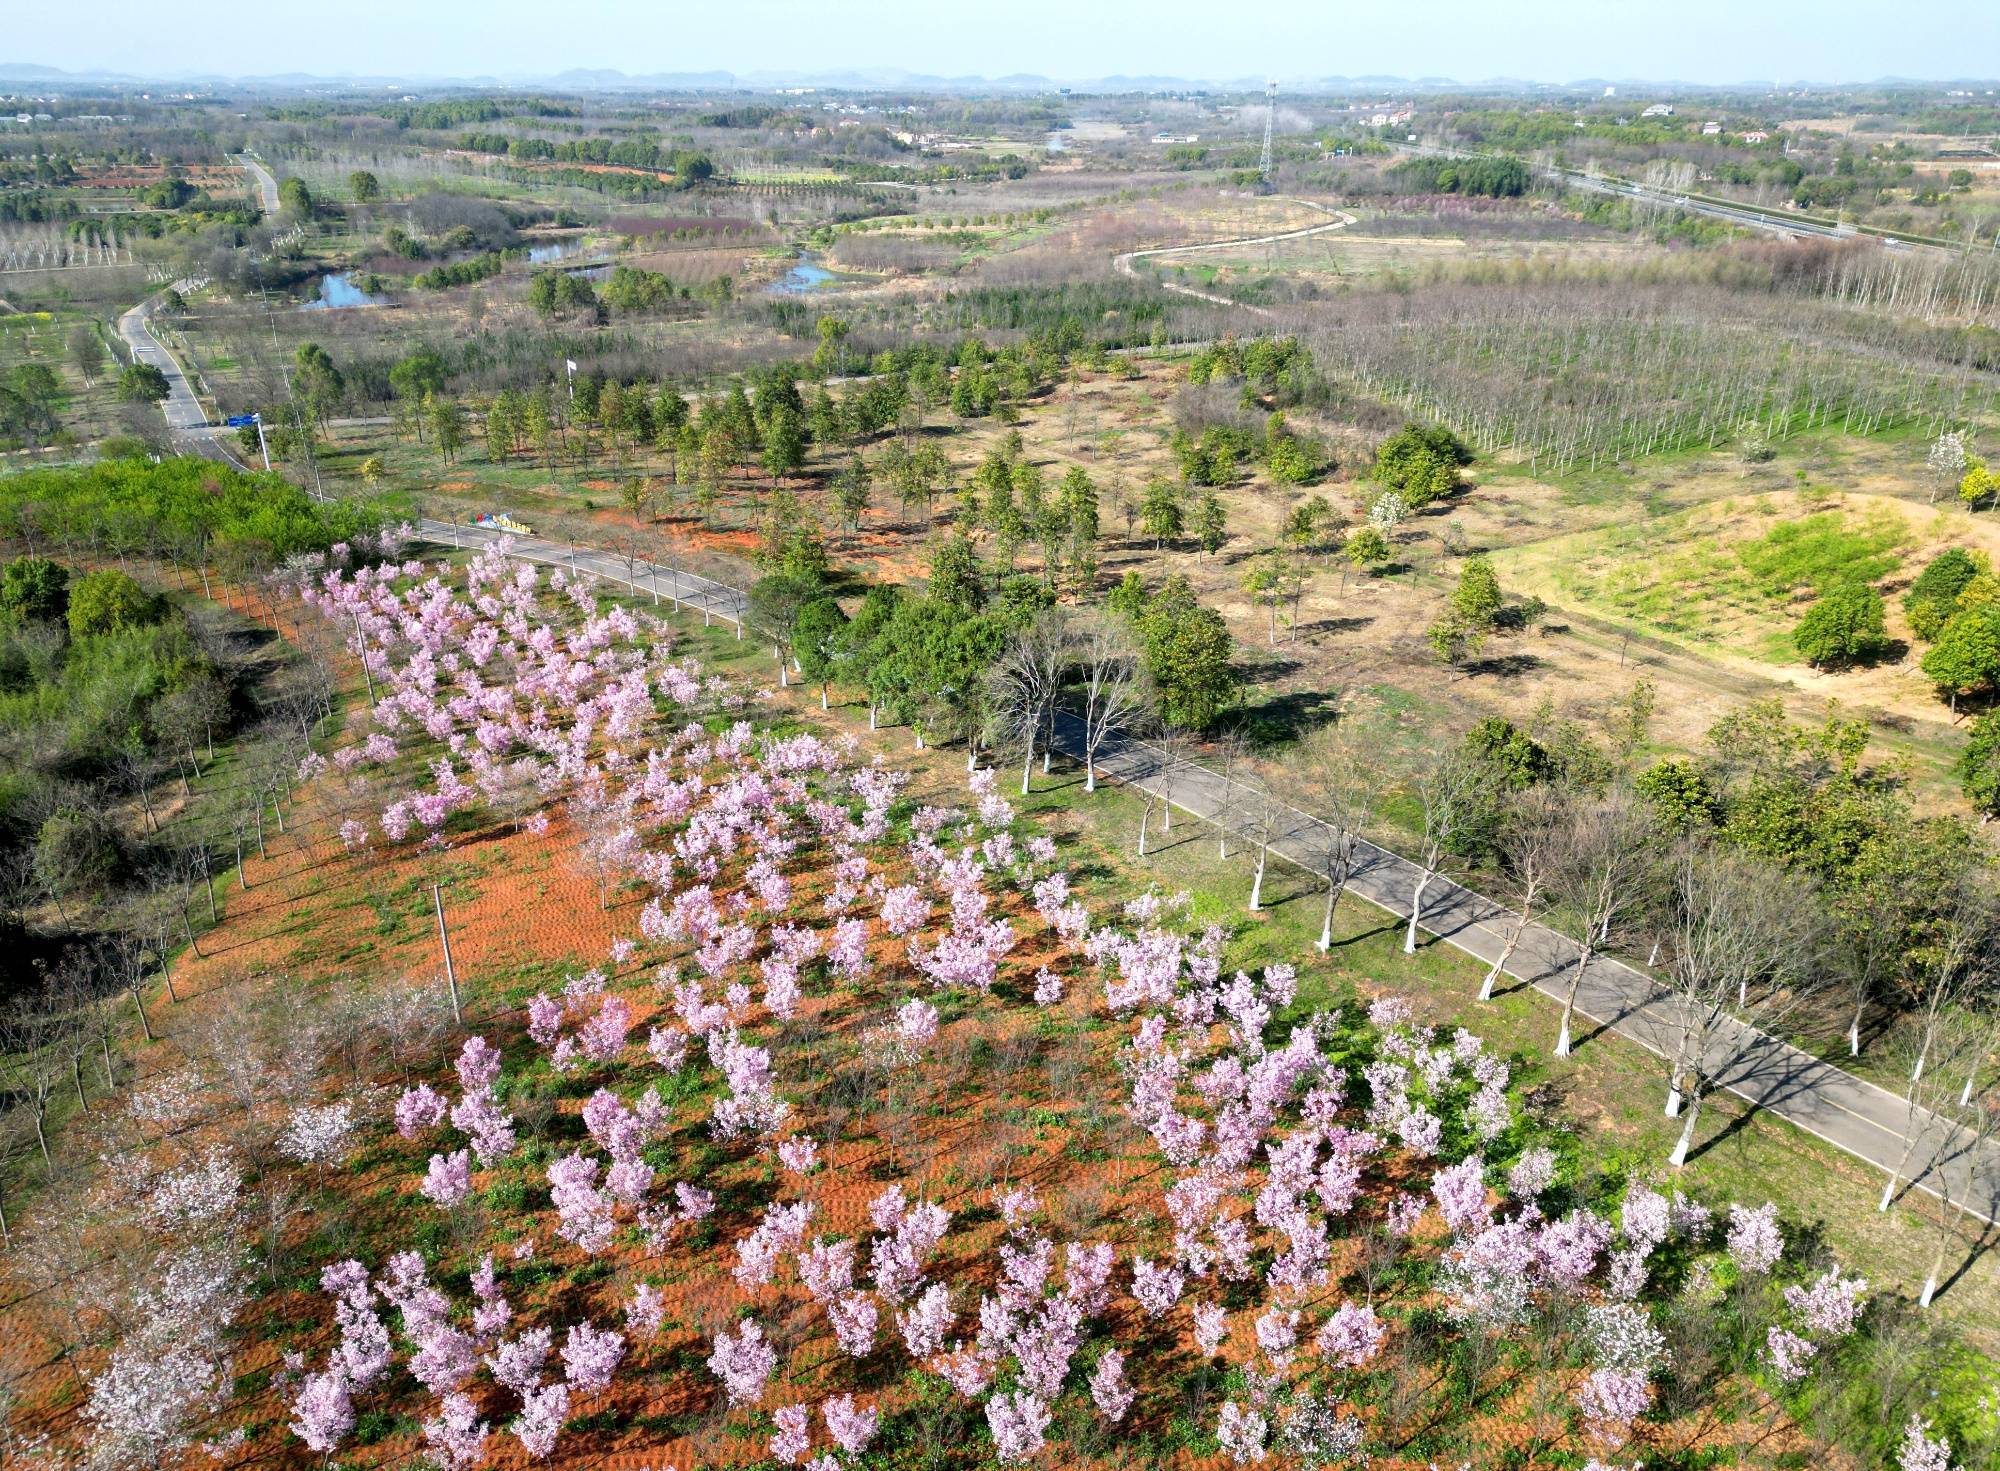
{"type": "Point", "coordinates": [1659, 109]}
{"type": "Point", "coordinates": [1710, 130]}
{"type": "Point", "coordinates": [1610, 91]}
{"type": "Point", "coordinates": [1756, 135]}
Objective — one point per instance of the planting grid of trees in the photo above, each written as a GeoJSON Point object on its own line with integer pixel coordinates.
{"type": "Point", "coordinates": [733, 1194]}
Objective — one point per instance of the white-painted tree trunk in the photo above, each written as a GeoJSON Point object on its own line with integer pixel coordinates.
{"type": "Point", "coordinates": [1569, 1000]}
{"type": "Point", "coordinates": [1673, 1108]}
{"type": "Point", "coordinates": [1145, 816]}
{"type": "Point", "coordinates": [1326, 924]}
{"type": "Point", "coordinates": [1089, 772]}
{"type": "Point", "coordinates": [1416, 911]}
{"type": "Point", "coordinates": [1028, 766]}
{"type": "Point", "coordinates": [971, 758]}
{"type": "Point", "coordinates": [1686, 1141]}
{"type": "Point", "coordinates": [1888, 1190]}
{"type": "Point", "coordinates": [822, 698]}
{"type": "Point", "coordinates": [1257, 883]}
{"type": "Point", "coordinates": [1923, 1055]}
{"type": "Point", "coordinates": [1929, 1292]}
{"type": "Point", "coordinates": [1500, 961]}
{"type": "Point", "coordinates": [871, 714]}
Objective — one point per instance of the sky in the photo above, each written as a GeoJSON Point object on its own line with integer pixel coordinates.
{"type": "Point", "coordinates": [1468, 40]}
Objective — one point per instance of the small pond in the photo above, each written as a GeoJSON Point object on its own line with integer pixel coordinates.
{"type": "Point", "coordinates": [339, 290]}
{"type": "Point", "coordinates": [806, 275]}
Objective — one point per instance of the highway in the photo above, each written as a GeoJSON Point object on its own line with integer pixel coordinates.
{"type": "Point", "coordinates": [1774, 222]}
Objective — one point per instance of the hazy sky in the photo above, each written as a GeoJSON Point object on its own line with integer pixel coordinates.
{"type": "Point", "coordinates": [1549, 40]}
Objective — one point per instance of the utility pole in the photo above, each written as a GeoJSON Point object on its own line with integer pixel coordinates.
{"type": "Point", "coordinates": [1270, 116]}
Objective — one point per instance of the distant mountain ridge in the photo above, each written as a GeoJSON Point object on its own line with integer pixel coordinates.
{"type": "Point", "coordinates": [880, 79]}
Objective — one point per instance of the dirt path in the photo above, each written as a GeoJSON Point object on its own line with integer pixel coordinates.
{"type": "Point", "coordinates": [1123, 264]}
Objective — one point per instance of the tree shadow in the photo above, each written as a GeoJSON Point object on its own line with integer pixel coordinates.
{"type": "Point", "coordinates": [1336, 625]}
{"type": "Point", "coordinates": [1984, 1242]}
{"type": "Point", "coordinates": [1387, 927]}
{"type": "Point", "coordinates": [1283, 719]}
{"type": "Point", "coordinates": [1505, 666]}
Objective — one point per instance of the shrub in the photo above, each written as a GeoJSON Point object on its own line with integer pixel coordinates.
{"type": "Point", "coordinates": [1842, 627]}
{"type": "Point", "coordinates": [109, 602]}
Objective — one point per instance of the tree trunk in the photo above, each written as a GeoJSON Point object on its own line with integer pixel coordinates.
{"type": "Point", "coordinates": [1090, 769]}
{"type": "Point", "coordinates": [1682, 1145]}
{"type": "Point", "coordinates": [1145, 816]}
{"type": "Point", "coordinates": [1416, 911]}
{"type": "Point", "coordinates": [1257, 883]}
{"type": "Point", "coordinates": [139, 1005]}
{"type": "Point", "coordinates": [1326, 924]}
{"type": "Point", "coordinates": [1028, 766]}
{"type": "Point", "coordinates": [1506, 954]}
{"type": "Point", "coordinates": [1569, 1000]}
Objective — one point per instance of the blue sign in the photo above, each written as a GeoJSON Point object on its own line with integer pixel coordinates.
{"type": "Point", "coordinates": [237, 421]}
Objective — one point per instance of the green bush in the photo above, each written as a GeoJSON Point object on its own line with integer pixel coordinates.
{"type": "Point", "coordinates": [110, 602]}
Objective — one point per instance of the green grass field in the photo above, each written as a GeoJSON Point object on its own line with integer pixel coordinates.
{"type": "Point", "coordinates": [1733, 575]}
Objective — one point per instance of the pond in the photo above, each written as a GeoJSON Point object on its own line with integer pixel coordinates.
{"type": "Point", "coordinates": [806, 275]}
{"type": "Point", "coordinates": [554, 250]}
{"type": "Point", "coordinates": [338, 290]}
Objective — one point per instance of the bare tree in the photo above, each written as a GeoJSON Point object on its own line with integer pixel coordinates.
{"type": "Point", "coordinates": [1530, 835]}
{"type": "Point", "coordinates": [1952, 1117]}
{"type": "Point", "coordinates": [1171, 743]}
{"type": "Point", "coordinates": [31, 1065]}
{"type": "Point", "coordinates": [1117, 693]}
{"type": "Point", "coordinates": [1953, 961]}
{"type": "Point", "coordinates": [1744, 942]}
{"type": "Point", "coordinates": [1600, 859]}
{"type": "Point", "coordinates": [1232, 748]}
{"type": "Point", "coordinates": [1455, 791]}
{"type": "Point", "coordinates": [1022, 687]}
{"type": "Point", "coordinates": [1265, 812]}
{"type": "Point", "coordinates": [1337, 789]}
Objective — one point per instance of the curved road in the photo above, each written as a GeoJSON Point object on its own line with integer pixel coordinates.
{"type": "Point", "coordinates": [1123, 264]}
{"type": "Point", "coordinates": [267, 187]}
{"type": "Point", "coordinates": [187, 421]}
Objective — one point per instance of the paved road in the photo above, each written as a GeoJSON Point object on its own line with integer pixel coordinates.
{"type": "Point", "coordinates": [1774, 222]}
{"type": "Point", "coordinates": [187, 420]}
{"type": "Point", "coordinates": [1824, 1100]}
{"type": "Point", "coordinates": [267, 187]}
{"type": "Point", "coordinates": [1123, 264]}
{"type": "Point", "coordinates": [713, 600]}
